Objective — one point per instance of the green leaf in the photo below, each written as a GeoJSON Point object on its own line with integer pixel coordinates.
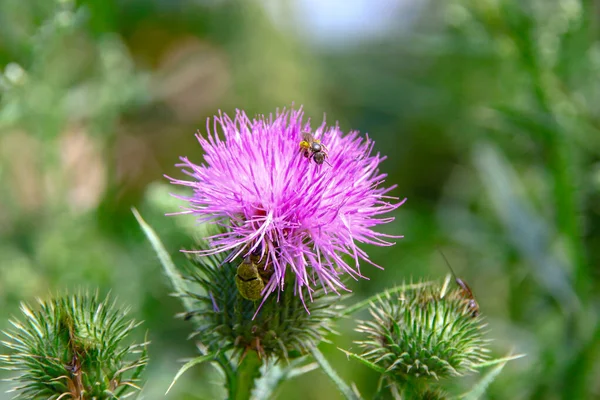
{"type": "Point", "coordinates": [302, 370]}
{"type": "Point", "coordinates": [190, 364]}
{"type": "Point", "coordinates": [366, 362]}
{"type": "Point", "coordinates": [266, 386]}
{"type": "Point", "coordinates": [479, 389]}
{"type": "Point", "coordinates": [180, 287]}
{"type": "Point", "coordinates": [498, 361]}
{"type": "Point", "coordinates": [342, 386]}
{"type": "Point", "coordinates": [171, 271]}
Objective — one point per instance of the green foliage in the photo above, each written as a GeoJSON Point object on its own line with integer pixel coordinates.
{"type": "Point", "coordinates": [99, 98]}
{"type": "Point", "coordinates": [74, 346]}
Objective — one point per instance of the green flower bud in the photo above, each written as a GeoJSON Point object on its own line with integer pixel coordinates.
{"type": "Point", "coordinates": [424, 333]}
{"type": "Point", "coordinates": [232, 312]}
{"type": "Point", "coordinates": [72, 348]}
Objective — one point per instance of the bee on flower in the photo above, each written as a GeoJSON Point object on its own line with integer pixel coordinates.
{"type": "Point", "coordinates": [313, 149]}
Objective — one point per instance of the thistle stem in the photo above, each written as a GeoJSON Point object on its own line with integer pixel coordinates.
{"type": "Point", "coordinates": [242, 384]}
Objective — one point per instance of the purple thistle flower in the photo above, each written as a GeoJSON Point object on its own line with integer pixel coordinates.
{"type": "Point", "coordinates": [274, 201]}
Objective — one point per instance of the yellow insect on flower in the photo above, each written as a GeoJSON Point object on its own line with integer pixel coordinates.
{"type": "Point", "coordinates": [313, 149]}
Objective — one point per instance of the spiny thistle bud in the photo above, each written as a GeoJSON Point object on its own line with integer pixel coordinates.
{"type": "Point", "coordinates": [424, 333]}
{"type": "Point", "coordinates": [72, 348]}
{"type": "Point", "coordinates": [233, 314]}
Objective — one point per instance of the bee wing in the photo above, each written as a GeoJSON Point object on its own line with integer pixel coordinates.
{"type": "Point", "coordinates": [308, 137]}
{"type": "Point", "coordinates": [463, 285]}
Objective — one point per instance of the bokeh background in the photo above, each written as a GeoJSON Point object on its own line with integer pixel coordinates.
{"type": "Point", "coordinates": [486, 109]}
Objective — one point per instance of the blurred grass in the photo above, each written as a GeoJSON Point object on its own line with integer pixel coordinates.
{"type": "Point", "coordinates": [486, 109]}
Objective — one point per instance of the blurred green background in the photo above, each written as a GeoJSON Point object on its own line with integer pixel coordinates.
{"type": "Point", "coordinates": [487, 111]}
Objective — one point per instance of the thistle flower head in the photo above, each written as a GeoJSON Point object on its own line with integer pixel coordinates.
{"type": "Point", "coordinates": [300, 211]}
{"type": "Point", "coordinates": [424, 333]}
{"type": "Point", "coordinates": [73, 348]}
